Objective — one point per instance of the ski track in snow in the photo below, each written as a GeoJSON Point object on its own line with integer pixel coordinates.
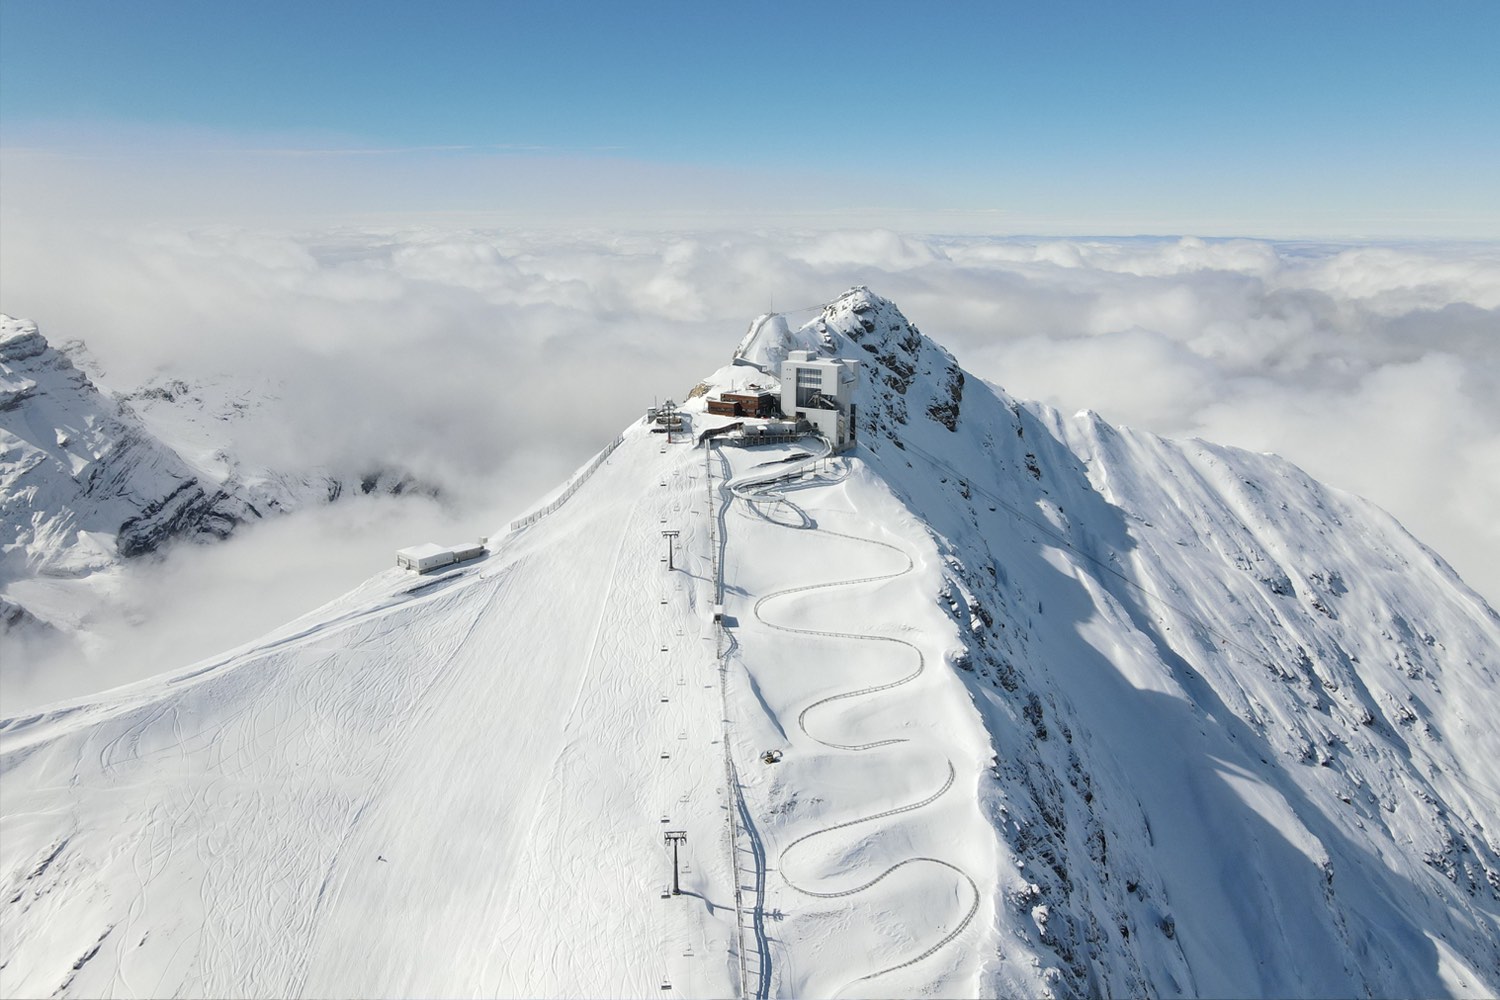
{"type": "Point", "coordinates": [754, 488]}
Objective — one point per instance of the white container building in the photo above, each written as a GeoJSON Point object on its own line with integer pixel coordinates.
{"type": "Point", "coordinates": [428, 556]}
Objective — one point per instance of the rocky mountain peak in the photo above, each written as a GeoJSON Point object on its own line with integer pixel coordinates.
{"type": "Point", "coordinates": [907, 373]}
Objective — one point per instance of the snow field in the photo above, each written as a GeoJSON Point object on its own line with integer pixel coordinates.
{"type": "Point", "coordinates": [877, 875]}
{"type": "Point", "coordinates": [207, 818]}
{"type": "Point", "coordinates": [433, 787]}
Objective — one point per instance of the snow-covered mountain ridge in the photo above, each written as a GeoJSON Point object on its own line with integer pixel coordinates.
{"type": "Point", "coordinates": [88, 478]}
{"type": "Point", "coordinates": [1324, 680]}
{"type": "Point", "coordinates": [1055, 708]}
{"type": "Point", "coordinates": [83, 481]}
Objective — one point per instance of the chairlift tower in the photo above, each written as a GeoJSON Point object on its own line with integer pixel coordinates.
{"type": "Point", "coordinates": [671, 537]}
{"type": "Point", "coordinates": [675, 838]}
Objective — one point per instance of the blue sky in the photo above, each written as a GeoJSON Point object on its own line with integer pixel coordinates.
{"type": "Point", "coordinates": [1309, 118]}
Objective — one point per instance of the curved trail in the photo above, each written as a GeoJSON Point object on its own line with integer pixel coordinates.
{"type": "Point", "coordinates": [860, 692]}
{"type": "Point", "coordinates": [760, 487]}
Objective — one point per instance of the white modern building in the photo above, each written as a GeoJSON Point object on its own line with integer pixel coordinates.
{"type": "Point", "coordinates": [821, 391]}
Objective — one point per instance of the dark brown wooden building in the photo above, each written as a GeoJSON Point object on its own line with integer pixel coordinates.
{"type": "Point", "coordinates": [751, 403]}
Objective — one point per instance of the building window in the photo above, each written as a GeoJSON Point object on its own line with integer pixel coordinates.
{"type": "Point", "coordinates": [809, 384]}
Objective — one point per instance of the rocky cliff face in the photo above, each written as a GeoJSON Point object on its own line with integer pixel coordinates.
{"type": "Point", "coordinates": [1238, 717]}
{"type": "Point", "coordinates": [82, 481]}
{"type": "Point", "coordinates": [86, 479]}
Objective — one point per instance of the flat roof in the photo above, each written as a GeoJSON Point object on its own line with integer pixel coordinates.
{"type": "Point", "coordinates": [425, 549]}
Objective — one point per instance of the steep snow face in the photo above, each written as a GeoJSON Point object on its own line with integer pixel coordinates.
{"type": "Point", "coordinates": [998, 703]}
{"type": "Point", "coordinates": [766, 343]}
{"type": "Point", "coordinates": [1240, 720]}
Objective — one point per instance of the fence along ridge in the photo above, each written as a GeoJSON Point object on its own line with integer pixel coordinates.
{"type": "Point", "coordinates": [578, 481]}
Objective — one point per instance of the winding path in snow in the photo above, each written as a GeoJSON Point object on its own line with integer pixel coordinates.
{"type": "Point", "coordinates": [860, 636]}
{"type": "Point", "coordinates": [763, 486]}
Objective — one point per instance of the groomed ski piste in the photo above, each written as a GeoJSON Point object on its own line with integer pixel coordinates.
{"type": "Point", "coordinates": [999, 703]}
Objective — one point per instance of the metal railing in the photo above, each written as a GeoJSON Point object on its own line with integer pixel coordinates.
{"type": "Point", "coordinates": [578, 481]}
{"type": "Point", "coordinates": [750, 440]}
{"type": "Point", "coordinates": [731, 776]}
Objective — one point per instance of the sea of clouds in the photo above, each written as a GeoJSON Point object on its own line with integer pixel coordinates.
{"type": "Point", "coordinates": [493, 362]}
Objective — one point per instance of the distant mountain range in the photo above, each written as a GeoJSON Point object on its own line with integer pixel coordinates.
{"type": "Point", "coordinates": [88, 478]}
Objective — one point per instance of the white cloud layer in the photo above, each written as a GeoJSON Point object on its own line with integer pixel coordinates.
{"type": "Point", "coordinates": [495, 362]}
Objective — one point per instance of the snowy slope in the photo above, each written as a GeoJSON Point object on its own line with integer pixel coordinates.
{"type": "Point", "coordinates": [1240, 720]}
{"type": "Point", "coordinates": [1060, 709]}
{"type": "Point", "coordinates": [496, 735]}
